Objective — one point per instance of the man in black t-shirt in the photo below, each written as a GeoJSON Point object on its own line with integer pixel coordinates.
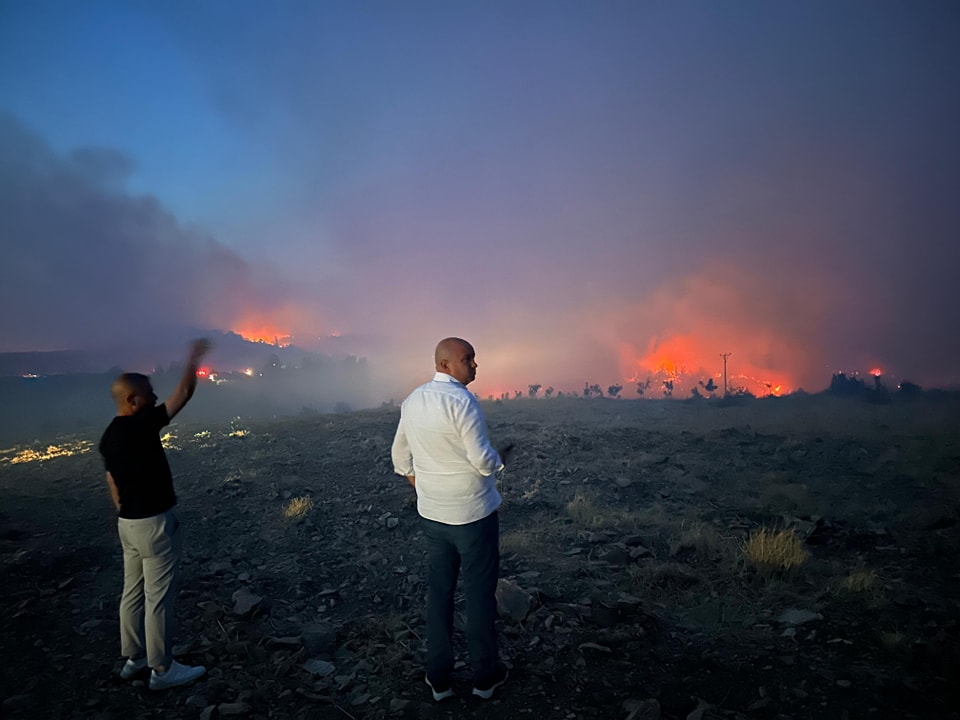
{"type": "Point", "coordinates": [141, 486]}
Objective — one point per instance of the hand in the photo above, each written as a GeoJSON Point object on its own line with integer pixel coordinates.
{"type": "Point", "coordinates": [505, 452]}
{"type": "Point", "coordinates": [198, 349]}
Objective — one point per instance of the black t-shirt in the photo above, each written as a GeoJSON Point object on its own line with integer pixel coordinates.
{"type": "Point", "coordinates": [133, 455]}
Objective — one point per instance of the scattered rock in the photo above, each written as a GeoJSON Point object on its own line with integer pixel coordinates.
{"type": "Point", "coordinates": [319, 638]}
{"type": "Point", "coordinates": [642, 709]}
{"type": "Point", "coordinates": [234, 708]}
{"type": "Point", "coordinates": [398, 705]}
{"type": "Point", "coordinates": [637, 553]}
{"type": "Point", "coordinates": [513, 602]}
{"type": "Point", "coordinates": [795, 616]}
{"type": "Point", "coordinates": [18, 702]}
{"type": "Point", "coordinates": [244, 602]}
{"type": "Point", "coordinates": [617, 556]}
{"type": "Point", "coordinates": [319, 667]}
{"type": "Point", "coordinates": [593, 646]}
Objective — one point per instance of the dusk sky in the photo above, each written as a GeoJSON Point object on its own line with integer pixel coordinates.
{"type": "Point", "coordinates": [588, 191]}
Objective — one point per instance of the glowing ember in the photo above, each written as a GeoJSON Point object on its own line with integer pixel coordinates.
{"type": "Point", "coordinates": [876, 372]}
{"type": "Point", "coordinates": [52, 451]}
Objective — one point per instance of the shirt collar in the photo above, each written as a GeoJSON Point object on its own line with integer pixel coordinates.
{"type": "Point", "coordinates": [443, 377]}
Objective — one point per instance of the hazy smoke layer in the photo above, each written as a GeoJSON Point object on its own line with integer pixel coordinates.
{"type": "Point", "coordinates": [86, 264]}
{"type": "Point", "coordinates": [590, 192]}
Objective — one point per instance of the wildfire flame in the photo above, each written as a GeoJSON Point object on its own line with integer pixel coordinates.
{"type": "Point", "coordinates": [265, 334]}
{"type": "Point", "coordinates": [686, 362]}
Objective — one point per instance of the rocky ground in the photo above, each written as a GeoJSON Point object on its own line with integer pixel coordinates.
{"type": "Point", "coordinates": [627, 590]}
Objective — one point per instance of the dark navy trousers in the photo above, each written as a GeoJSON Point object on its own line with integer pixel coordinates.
{"type": "Point", "coordinates": [474, 548]}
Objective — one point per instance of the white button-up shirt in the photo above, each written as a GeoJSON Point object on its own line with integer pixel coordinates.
{"type": "Point", "coordinates": [442, 440]}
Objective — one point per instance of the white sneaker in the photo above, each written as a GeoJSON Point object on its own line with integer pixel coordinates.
{"type": "Point", "coordinates": [131, 668]}
{"type": "Point", "coordinates": [175, 675]}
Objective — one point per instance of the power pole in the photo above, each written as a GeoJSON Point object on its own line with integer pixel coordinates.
{"type": "Point", "coordinates": [725, 356]}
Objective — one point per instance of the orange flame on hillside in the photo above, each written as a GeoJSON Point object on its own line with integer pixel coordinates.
{"type": "Point", "coordinates": [262, 333]}
{"type": "Point", "coordinates": [687, 363]}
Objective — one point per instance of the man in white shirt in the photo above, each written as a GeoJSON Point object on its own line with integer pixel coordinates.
{"type": "Point", "coordinates": [442, 448]}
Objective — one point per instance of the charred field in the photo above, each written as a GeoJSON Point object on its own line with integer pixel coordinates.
{"type": "Point", "coordinates": [784, 558]}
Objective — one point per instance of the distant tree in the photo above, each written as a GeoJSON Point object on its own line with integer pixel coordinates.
{"type": "Point", "coordinates": [710, 385]}
{"type": "Point", "coordinates": [642, 387]}
{"type": "Point", "coordinates": [696, 393]}
{"type": "Point", "coordinates": [532, 390]}
{"type": "Point", "coordinates": [614, 390]}
{"type": "Point", "coordinates": [845, 386]}
{"type": "Point", "coordinates": [560, 393]}
{"type": "Point", "coordinates": [517, 394]}
{"type": "Point", "coordinates": [668, 388]}
{"type": "Point", "coordinates": [909, 389]}
{"type": "Point", "coordinates": [548, 392]}
{"type": "Point", "coordinates": [592, 390]}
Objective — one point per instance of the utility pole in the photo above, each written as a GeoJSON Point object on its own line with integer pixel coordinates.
{"type": "Point", "coordinates": [725, 356]}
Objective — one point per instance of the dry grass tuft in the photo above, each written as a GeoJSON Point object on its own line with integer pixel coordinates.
{"type": "Point", "coordinates": [297, 508]}
{"type": "Point", "coordinates": [774, 550]}
{"type": "Point", "coordinates": [584, 511]}
{"type": "Point", "coordinates": [526, 543]}
{"type": "Point", "coordinates": [863, 584]}
{"type": "Point", "coordinates": [700, 539]}
{"type": "Point", "coordinates": [860, 580]}
{"type": "Point", "coordinates": [895, 641]}
{"type": "Point", "coordinates": [665, 581]}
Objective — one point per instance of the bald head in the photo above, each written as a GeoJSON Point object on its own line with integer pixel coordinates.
{"type": "Point", "coordinates": [132, 392]}
{"type": "Point", "coordinates": [456, 357]}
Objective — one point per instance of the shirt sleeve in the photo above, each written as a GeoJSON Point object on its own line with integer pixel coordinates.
{"type": "Point", "coordinates": [159, 417]}
{"type": "Point", "coordinates": [473, 431]}
{"type": "Point", "coordinates": [400, 452]}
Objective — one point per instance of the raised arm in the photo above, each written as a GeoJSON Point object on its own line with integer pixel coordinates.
{"type": "Point", "coordinates": [188, 381]}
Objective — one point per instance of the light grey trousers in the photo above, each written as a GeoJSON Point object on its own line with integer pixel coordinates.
{"type": "Point", "coordinates": [151, 569]}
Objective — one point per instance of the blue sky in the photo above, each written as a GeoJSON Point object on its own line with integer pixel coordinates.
{"type": "Point", "coordinates": [577, 187]}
